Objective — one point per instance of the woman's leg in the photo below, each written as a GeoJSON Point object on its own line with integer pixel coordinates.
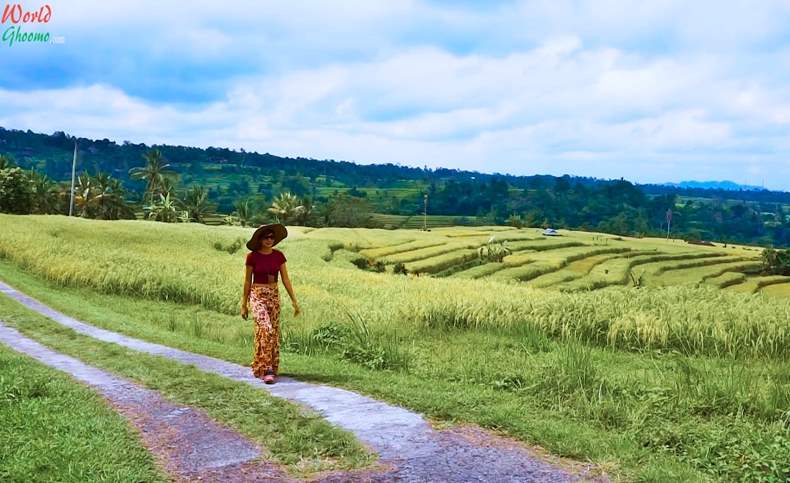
{"type": "Point", "coordinates": [274, 335]}
{"type": "Point", "coordinates": [261, 358]}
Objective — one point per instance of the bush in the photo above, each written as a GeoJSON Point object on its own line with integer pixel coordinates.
{"type": "Point", "coordinates": [400, 268]}
{"type": "Point", "coordinates": [369, 264]}
{"type": "Point", "coordinates": [232, 248]}
{"type": "Point", "coordinates": [16, 191]}
{"type": "Point", "coordinates": [776, 262]}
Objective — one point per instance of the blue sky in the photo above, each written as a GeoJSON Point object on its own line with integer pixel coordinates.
{"type": "Point", "coordinates": [647, 90]}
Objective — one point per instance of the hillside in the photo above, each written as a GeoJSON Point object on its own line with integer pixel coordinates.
{"type": "Point", "coordinates": [458, 197]}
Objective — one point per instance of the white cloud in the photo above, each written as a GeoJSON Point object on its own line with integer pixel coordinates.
{"type": "Point", "coordinates": [647, 90]}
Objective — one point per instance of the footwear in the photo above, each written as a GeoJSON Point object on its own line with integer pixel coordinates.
{"type": "Point", "coordinates": [268, 377]}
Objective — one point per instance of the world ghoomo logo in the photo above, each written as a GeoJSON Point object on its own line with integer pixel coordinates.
{"type": "Point", "coordinates": [18, 18]}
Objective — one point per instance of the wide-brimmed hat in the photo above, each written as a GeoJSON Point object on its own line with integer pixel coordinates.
{"type": "Point", "coordinates": [279, 233]}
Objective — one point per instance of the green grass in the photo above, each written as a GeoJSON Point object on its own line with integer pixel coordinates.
{"type": "Point", "coordinates": [574, 270]}
{"type": "Point", "coordinates": [527, 266]}
{"type": "Point", "coordinates": [54, 429]}
{"type": "Point", "coordinates": [301, 441]}
{"type": "Point", "coordinates": [758, 283]}
{"type": "Point", "coordinates": [778, 290]}
{"type": "Point", "coordinates": [648, 415]}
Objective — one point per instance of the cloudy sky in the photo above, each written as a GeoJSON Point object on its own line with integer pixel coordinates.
{"type": "Point", "coordinates": [651, 91]}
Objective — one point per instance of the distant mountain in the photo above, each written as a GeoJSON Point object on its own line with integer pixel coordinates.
{"type": "Point", "coordinates": [715, 185]}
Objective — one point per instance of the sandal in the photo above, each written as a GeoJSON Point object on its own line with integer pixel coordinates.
{"type": "Point", "coordinates": [268, 377]}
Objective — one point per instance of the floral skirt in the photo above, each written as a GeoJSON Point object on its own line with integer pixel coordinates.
{"type": "Point", "coordinates": [265, 305]}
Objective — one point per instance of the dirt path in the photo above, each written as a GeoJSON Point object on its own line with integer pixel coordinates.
{"type": "Point", "coordinates": [186, 443]}
{"type": "Point", "coordinates": [405, 442]}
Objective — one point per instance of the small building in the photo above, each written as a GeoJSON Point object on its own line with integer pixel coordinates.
{"type": "Point", "coordinates": [550, 232]}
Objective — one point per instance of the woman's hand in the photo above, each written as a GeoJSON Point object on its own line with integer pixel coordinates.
{"type": "Point", "coordinates": [244, 312]}
{"type": "Point", "coordinates": [297, 310]}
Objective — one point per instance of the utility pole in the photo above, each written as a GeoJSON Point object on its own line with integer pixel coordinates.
{"type": "Point", "coordinates": [73, 169]}
{"type": "Point", "coordinates": [425, 213]}
{"type": "Point", "coordinates": [669, 221]}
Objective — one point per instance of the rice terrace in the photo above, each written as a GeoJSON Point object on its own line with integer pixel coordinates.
{"type": "Point", "coordinates": [652, 359]}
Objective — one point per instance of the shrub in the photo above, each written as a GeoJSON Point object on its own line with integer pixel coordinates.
{"type": "Point", "coordinates": [231, 248]}
{"type": "Point", "coordinates": [776, 262]}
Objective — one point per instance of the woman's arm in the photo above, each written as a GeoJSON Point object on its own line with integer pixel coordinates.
{"type": "Point", "coordinates": [246, 295]}
{"type": "Point", "coordinates": [289, 288]}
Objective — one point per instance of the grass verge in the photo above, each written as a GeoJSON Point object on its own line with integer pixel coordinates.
{"type": "Point", "coordinates": [54, 429]}
{"type": "Point", "coordinates": [294, 437]}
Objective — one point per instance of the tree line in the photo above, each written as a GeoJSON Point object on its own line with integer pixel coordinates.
{"type": "Point", "coordinates": [251, 183]}
{"type": "Point", "coordinates": [102, 196]}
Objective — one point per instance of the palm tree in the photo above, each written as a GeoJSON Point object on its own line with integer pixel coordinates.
{"type": "Point", "coordinates": [114, 203]}
{"type": "Point", "coordinates": [86, 196]}
{"type": "Point", "coordinates": [154, 172]}
{"type": "Point", "coordinates": [307, 210]}
{"type": "Point", "coordinates": [196, 203]}
{"type": "Point", "coordinates": [102, 183]}
{"type": "Point", "coordinates": [286, 207]}
{"type": "Point", "coordinates": [45, 193]}
{"type": "Point", "coordinates": [243, 212]}
{"type": "Point", "coordinates": [167, 186]}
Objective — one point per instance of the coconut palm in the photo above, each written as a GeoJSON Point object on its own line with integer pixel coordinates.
{"type": "Point", "coordinates": [286, 207]}
{"type": "Point", "coordinates": [102, 184]}
{"type": "Point", "coordinates": [114, 206]}
{"type": "Point", "coordinates": [307, 210]}
{"type": "Point", "coordinates": [45, 193]}
{"type": "Point", "coordinates": [196, 204]}
{"type": "Point", "coordinates": [167, 186]}
{"type": "Point", "coordinates": [87, 196]}
{"type": "Point", "coordinates": [155, 172]}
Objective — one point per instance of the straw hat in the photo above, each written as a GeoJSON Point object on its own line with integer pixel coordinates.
{"type": "Point", "coordinates": [279, 233]}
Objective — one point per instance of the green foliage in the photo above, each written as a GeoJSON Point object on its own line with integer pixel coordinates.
{"type": "Point", "coordinates": [369, 264]}
{"type": "Point", "coordinates": [155, 174]}
{"type": "Point", "coordinates": [16, 191]}
{"type": "Point", "coordinates": [354, 341]}
{"type": "Point", "coordinates": [399, 268]}
{"type": "Point", "coordinates": [347, 211]}
{"type": "Point", "coordinates": [197, 205]}
{"type": "Point", "coordinates": [494, 251]}
{"type": "Point", "coordinates": [776, 262]}
{"type": "Point", "coordinates": [6, 162]}
{"type": "Point", "coordinates": [166, 209]}
{"type": "Point", "coordinates": [286, 208]}
{"type": "Point", "coordinates": [230, 248]}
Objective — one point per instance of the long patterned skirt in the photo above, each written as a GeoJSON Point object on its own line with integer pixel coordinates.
{"type": "Point", "coordinates": [265, 305]}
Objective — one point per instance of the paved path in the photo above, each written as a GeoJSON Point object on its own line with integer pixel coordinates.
{"type": "Point", "coordinates": [187, 444]}
{"type": "Point", "coordinates": [404, 441]}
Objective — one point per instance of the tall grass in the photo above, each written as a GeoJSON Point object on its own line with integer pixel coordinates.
{"type": "Point", "coordinates": [178, 263]}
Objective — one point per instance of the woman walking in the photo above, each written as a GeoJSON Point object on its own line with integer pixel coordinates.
{"type": "Point", "coordinates": [263, 264]}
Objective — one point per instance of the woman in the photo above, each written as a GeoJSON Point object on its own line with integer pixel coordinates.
{"type": "Point", "coordinates": [260, 293]}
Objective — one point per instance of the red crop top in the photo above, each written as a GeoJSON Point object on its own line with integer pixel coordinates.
{"type": "Point", "coordinates": [265, 267]}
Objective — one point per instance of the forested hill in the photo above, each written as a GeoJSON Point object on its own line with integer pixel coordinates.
{"type": "Point", "coordinates": [615, 206]}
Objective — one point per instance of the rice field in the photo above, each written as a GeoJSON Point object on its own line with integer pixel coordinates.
{"type": "Point", "coordinates": [157, 261]}
{"type": "Point", "coordinates": [638, 353]}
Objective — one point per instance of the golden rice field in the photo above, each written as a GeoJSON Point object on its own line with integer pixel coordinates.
{"type": "Point", "coordinates": [693, 299]}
